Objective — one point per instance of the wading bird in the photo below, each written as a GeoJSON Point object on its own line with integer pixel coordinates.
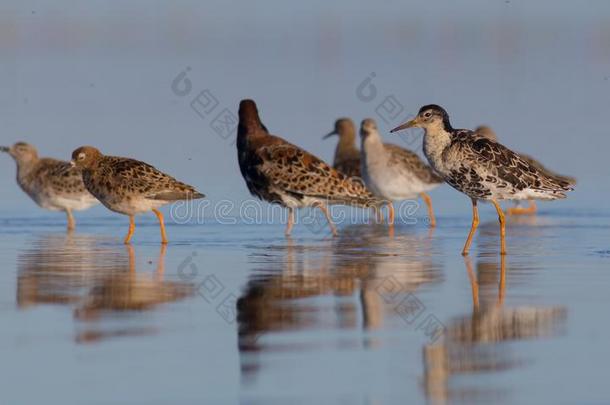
{"type": "Point", "coordinates": [280, 172]}
{"type": "Point", "coordinates": [394, 173]}
{"type": "Point", "coordinates": [128, 186]}
{"type": "Point", "coordinates": [481, 168]}
{"type": "Point", "coordinates": [53, 184]}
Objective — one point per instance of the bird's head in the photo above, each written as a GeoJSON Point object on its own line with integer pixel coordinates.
{"type": "Point", "coordinates": [85, 157]}
{"type": "Point", "coordinates": [368, 127]}
{"type": "Point", "coordinates": [22, 152]}
{"type": "Point", "coordinates": [344, 127]}
{"type": "Point", "coordinates": [429, 117]}
{"type": "Point", "coordinates": [487, 132]}
{"type": "Point", "coordinates": [249, 120]}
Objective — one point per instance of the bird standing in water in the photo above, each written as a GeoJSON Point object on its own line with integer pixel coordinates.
{"type": "Point", "coordinates": [280, 172]}
{"type": "Point", "coordinates": [481, 168]}
{"type": "Point", "coordinates": [130, 187]}
{"type": "Point", "coordinates": [395, 173]}
{"type": "Point", "coordinates": [52, 184]}
{"type": "Point", "coordinates": [489, 133]}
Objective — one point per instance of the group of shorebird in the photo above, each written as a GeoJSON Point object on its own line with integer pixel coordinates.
{"type": "Point", "coordinates": [472, 162]}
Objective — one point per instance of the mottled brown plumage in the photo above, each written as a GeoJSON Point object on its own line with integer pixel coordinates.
{"type": "Point", "coordinates": [52, 184]}
{"type": "Point", "coordinates": [481, 168]}
{"type": "Point", "coordinates": [280, 172]}
{"type": "Point", "coordinates": [489, 133]}
{"type": "Point", "coordinates": [129, 186]}
{"type": "Point", "coordinates": [487, 170]}
{"type": "Point", "coordinates": [347, 155]}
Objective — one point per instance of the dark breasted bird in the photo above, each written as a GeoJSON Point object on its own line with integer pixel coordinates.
{"type": "Point", "coordinates": [282, 173]}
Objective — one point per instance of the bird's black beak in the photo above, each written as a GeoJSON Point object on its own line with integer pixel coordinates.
{"type": "Point", "coordinates": [328, 135]}
{"type": "Point", "coordinates": [409, 124]}
{"type": "Point", "coordinates": [5, 149]}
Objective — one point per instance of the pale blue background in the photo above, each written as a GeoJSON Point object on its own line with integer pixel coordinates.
{"type": "Point", "coordinates": [100, 73]}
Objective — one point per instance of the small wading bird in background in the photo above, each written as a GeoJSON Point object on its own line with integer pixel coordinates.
{"type": "Point", "coordinates": [489, 133]}
{"type": "Point", "coordinates": [394, 173]}
{"type": "Point", "coordinates": [53, 184]}
{"type": "Point", "coordinates": [280, 172]}
{"type": "Point", "coordinates": [347, 155]}
{"type": "Point", "coordinates": [128, 186]}
{"type": "Point", "coordinates": [481, 168]}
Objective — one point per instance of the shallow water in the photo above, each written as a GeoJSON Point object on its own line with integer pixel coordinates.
{"type": "Point", "coordinates": [233, 313]}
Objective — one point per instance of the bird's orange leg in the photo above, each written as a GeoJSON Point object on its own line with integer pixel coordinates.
{"type": "Point", "coordinates": [502, 220]}
{"type": "Point", "coordinates": [391, 214]}
{"type": "Point", "coordinates": [530, 210]}
{"type": "Point", "coordinates": [161, 225]}
{"type": "Point", "coordinates": [428, 202]}
{"type": "Point", "coordinates": [473, 228]}
{"type": "Point", "coordinates": [132, 227]}
{"type": "Point", "coordinates": [290, 222]}
{"type": "Point", "coordinates": [331, 224]}
{"type": "Point", "coordinates": [71, 223]}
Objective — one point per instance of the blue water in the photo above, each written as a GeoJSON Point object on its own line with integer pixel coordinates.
{"type": "Point", "coordinates": [229, 313]}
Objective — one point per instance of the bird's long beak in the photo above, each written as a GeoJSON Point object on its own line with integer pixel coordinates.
{"type": "Point", "coordinates": [328, 135]}
{"type": "Point", "coordinates": [5, 149]}
{"type": "Point", "coordinates": [72, 163]}
{"type": "Point", "coordinates": [409, 124]}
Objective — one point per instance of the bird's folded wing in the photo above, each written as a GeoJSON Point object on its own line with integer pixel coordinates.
{"type": "Point", "coordinates": [548, 171]}
{"type": "Point", "coordinates": [506, 165]}
{"type": "Point", "coordinates": [297, 171]}
{"type": "Point", "coordinates": [405, 158]}
{"type": "Point", "coordinates": [146, 180]}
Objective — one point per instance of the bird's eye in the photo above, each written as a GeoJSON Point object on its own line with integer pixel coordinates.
{"type": "Point", "coordinates": [427, 114]}
{"type": "Point", "coordinates": [81, 156]}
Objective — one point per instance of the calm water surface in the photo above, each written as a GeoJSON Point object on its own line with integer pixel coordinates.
{"type": "Point", "coordinates": [238, 313]}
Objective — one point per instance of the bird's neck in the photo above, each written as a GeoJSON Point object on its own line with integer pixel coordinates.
{"type": "Point", "coordinates": [249, 129]}
{"type": "Point", "coordinates": [436, 140]}
{"type": "Point", "coordinates": [372, 146]}
{"type": "Point", "coordinates": [24, 168]}
{"type": "Point", "coordinates": [346, 145]}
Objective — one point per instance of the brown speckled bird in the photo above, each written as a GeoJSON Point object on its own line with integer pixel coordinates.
{"type": "Point", "coordinates": [128, 186]}
{"type": "Point", "coordinates": [53, 184]}
{"type": "Point", "coordinates": [280, 172]}
{"type": "Point", "coordinates": [347, 155]}
{"type": "Point", "coordinates": [489, 133]}
{"type": "Point", "coordinates": [481, 168]}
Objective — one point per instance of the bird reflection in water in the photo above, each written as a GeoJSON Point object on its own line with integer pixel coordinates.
{"type": "Point", "coordinates": [474, 343]}
{"type": "Point", "coordinates": [343, 274]}
{"type": "Point", "coordinates": [98, 281]}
